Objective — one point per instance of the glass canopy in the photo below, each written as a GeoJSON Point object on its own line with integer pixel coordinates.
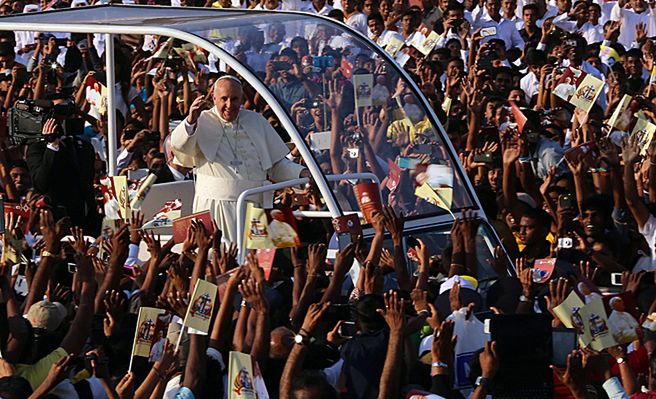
{"type": "Point", "coordinates": [354, 109]}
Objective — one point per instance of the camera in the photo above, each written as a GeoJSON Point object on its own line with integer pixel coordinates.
{"type": "Point", "coordinates": [27, 117]}
{"type": "Point", "coordinates": [312, 103]}
{"type": "Point", "coordinates": [281, 66]}
{"type": "Point", "coordinates": [565, 243]}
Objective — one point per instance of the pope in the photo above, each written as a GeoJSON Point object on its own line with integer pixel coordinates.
{"type": "Point", "coordinates": [233, 150]}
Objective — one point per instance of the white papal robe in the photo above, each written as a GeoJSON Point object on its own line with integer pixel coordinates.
{"type": "Point", "coordinates": [231, 157]}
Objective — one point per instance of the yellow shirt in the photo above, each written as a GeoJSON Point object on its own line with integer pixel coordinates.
{"type": "Point", "coordinates": [36, 373]}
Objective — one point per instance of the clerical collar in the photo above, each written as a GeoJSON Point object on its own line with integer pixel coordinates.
{"type": "Point", "coordinates": [218, 114]}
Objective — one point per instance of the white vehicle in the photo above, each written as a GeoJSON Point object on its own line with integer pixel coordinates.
{"type": "Point", "coordinates": [412, 126]}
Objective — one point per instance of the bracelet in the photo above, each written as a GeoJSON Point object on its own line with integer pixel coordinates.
{"type": "Point", "coordinates": [243, 303]}
{"type": "Point", "coordinates": [440, 364]}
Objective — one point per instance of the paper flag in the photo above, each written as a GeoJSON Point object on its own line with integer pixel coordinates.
{"type": "Point", "coordinates": [394, 44]}
{"type": "Point", "coordinates": [240, 376]}
{"type": "Point", "coordinates": [644, 131]}
{"type": "Point", "coordinates": [608, 55]}
{"type": "Point", "coordinates": [256, 232]}
{"type": "Point", "coordinates": [21, 213]}
{"type": "Point", "coordinates": [363, 86]}
{"type": "Point", "coordinates": [199, 312]}
{"type": "Point", "coordinates": [145, 332]}
{"type": "Point", "coordinates": [424, 39]}
{"type": "Point", "coordinates": [427, 193]}
{"type": "Point", "coordinates": [120, 189]}
{"type": "Point", "coordinates": [394, 175]}
{"type": "Point", "coordinates": [595, 325]}
{"type": "Point", "coordinates": [569, 313]}
{"type": "Point", "coordinates": [587, 92]}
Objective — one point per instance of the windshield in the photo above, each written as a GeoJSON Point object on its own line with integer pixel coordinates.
{"type": "Point", "coordinates": [352, 108]}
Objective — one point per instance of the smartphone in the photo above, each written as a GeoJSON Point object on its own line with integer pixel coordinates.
{"type": "Point", "coordinates": [72, 268]}
{"type": "Point", "coordinates": [565, 200]}
{"type": "Point", "coordinates": [484, 157]}
{"type": "Point", "coordinates": [616, 279]}
{"type": "Point", "coordinates": [491, 31]}
{"type": "Point", "coordinates": [347, 329]}
{"type": "Point", "coordinates": [341, 311]}
{"type": "Point", "coordinates": [407, 162]}
{"type": "Point", "coordinates": [61, 41]}
{"type": "Point", "coordinates": [312, 103]}
{"type": "Point", "coordinates": [563, 342]}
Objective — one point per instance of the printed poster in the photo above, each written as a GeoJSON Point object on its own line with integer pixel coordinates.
{"type": "Point", "coordinates": [424, 39]}
{"type": "Point", "coordinates": [368, 196]}
{"type": "Point", "coordinates": [394, 44]}
{"type": "Point", "coordinates": [363, 85]}
{"type": "Point", "coordinates": [201, 305]}
{"type": "Point", "coordinates": [622, 319]}
{"type": "Point", "coordinates": [120, 188]}
{"type": "Point", "coordinates": [321, 140]}
{"type": "Point", "coordinates": [145, 332]}
{"type": "Point", "coordinates": [283, 231]}
{"type": "Point", "coordinates": [578, 88]}
{"type": "Point", "coordinates": [265, 260]}
{"type": "Point", "coordinates": [622, 116]}
{"type": "Point", "coordinates": [428, 194]}
{"type": "Point", "coordinates": [21, 214]}
{"type": "Point", "coordinates": [595, 325]}
{"type": "Point", "coordinates": [240, 376]}
{"type": "Point", "coordinates": [644, 132]}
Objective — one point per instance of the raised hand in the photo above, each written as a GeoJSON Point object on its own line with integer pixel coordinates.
{"type": "Point", "coordinates": [313, 317]}
{"type": "Point", "coordinates": [78, 242]}
{"type": "Point", "coordinates": [196, 108]}
{"type": "Point", "coordinates": [444, 343]}
{"type": "Point", "coordinates": [394, 312]}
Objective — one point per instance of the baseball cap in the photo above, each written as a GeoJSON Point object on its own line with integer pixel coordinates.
{"type": "Point", "coordinates": [46, 315]}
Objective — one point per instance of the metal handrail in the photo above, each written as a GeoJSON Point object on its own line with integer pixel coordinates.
{"type": "Point", "coordinates": [241, 200]}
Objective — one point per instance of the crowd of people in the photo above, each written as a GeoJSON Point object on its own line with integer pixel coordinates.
{"type": "Point", "coordinates": [549, 107]}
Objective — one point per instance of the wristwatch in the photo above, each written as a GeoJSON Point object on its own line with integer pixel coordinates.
{"type": "Point", "coordinates": [440, 364]}
{"type": "Point", "coordinates": [523, 298]}
{"type": "Point", "coordinates": [482, 381]}
{"type": "Point", "coordinates": [301, 339]}
{"type": "Point", "coordinates": [620, 360]}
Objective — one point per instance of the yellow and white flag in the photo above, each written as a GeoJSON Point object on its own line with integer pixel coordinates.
{"type": "Point", "coordinates": [199, 312]}
{"type": "Point", "coordinates": [143, 336]}
{"type": "Point", "coordinates": [241, 378]}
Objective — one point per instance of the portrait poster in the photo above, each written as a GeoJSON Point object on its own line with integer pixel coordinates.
{"type": "Point", "coordinates": [644, 133]}
{"type": "Point", "coordinates": [622, 115]}
{"type": "Point", "coordinates": [363, 85]}
{"type": "Point", "coordinates": [394, 44]}
{"type": "Point", "coordinates": [145, 331]}
{"type": "Point", "coordinates": [282, 228]}
{"type": "Point", "coordinates": [587, 92]}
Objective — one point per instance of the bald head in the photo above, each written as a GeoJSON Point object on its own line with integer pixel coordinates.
{"type": "Point", "coordinates": [228, 97]}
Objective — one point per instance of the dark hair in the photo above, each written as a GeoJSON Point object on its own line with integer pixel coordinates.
{"type": "Point", "coordinates": [634, 52]}
{"type": "Point", "coordinates": [540, 216]}
{"type": "Point", "coordinates": [455, 6]}
{"type": "Point", "coordinates": [376, 17]}
{"type": "Point", "coordinates": [366, 310]}
{"type": "Point", "coordinates": [289, 52]}
{"type": "Point", "coordinates": [598, 202]}
{"type": "Point", "coordinates": [315, 380]}
{"type": "Point", "coordinates": [15, 387]}
{"type": "Point", "coordinates": [532, 6]}
{"type": "Point", "coordinates": [19, 163]}
{"type": "Point", "coordinates": [336, 14]}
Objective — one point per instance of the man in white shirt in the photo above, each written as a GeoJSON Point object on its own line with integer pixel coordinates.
{"type": "Point", "coordinates": [353, 17]}
{"type": "Point", "coordinates": [377, 31]}
{"type": "Point", "coordinates": [506, 30]}
{"type": "Point", "coordinates": [530, 83]}
{"type": "Point", "coordinates": [256, 57]}
{"type": "Point", "coordinates": [509, 7]}
{"type": "Point", "coordinates": [637, 13]}
{"type": "Point", "coordinates": [317, 7]}
{"type": "Point", "coordinates": [580, 23]}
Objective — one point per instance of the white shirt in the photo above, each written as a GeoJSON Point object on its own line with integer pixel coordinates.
{"type": "Point", "coordinates": [385, 37]}
{"type": "Point", "coordinates": [591, 33]}
{"type": "Point", "coordinates": [358, 21]}
{"type": "Point", "coordinates": [517, 21]}
{"type": "Point", "coordinates": [630, 19]}
{"type": "Point", "coordinates": [256, 60]}
{"type": "Point", "coordinates": [530, 84]}
{"type": "Point", "coordinates": [506, 31]}
{"type": "Point", "coordinates": [649, 232]}
{"type": "Point", "coordinates": [310, 8]}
